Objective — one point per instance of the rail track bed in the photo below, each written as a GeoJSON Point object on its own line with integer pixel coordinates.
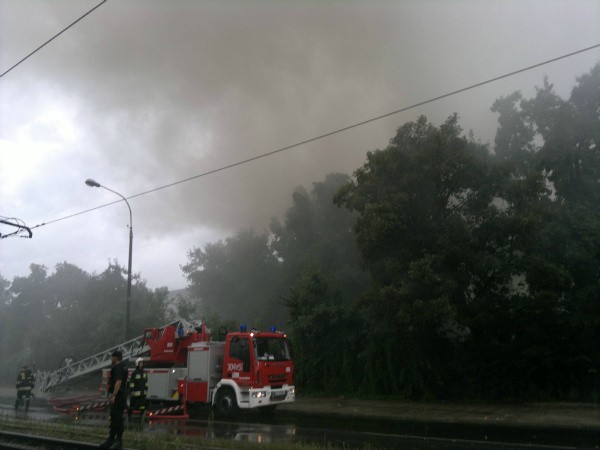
{"type": "Point", "coordinates": [21, 441]}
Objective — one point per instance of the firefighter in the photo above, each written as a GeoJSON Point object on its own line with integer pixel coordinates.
{"type": "Point", "coordinates": [117, 388]}
{"type": "Point", "coordinates": [24, 385]}
{"type": "Point", "coordinates": [138, 389]}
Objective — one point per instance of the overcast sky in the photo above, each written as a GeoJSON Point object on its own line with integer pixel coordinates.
{"type": "Point", "coordinates": [141, 94]}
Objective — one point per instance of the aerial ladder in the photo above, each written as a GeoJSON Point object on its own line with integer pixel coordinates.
{"type": "Point", "coordinates": [48, 380]}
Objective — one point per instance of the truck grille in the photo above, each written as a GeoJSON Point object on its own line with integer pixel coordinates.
{"type": "Point", "coordinates": [277, 378]}
{"type": "Point", "coordinates": [278, 396]}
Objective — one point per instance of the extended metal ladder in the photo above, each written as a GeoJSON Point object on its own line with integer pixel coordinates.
{"type": "Point", "coordinates": [46, 380]}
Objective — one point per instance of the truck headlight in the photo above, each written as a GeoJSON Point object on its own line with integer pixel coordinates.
{"type": "Point", "coordinates": [259, 394]}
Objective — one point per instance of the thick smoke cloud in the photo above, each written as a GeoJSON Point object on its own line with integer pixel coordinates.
{"type": "Point", "coordinates": [144, 93]}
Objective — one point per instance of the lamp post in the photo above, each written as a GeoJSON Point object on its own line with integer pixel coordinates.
{"type": "Point", "coordinates": [93, 183]}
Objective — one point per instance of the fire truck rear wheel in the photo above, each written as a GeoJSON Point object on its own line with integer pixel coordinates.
{"type": "Point", "coordinates": [226, 403]}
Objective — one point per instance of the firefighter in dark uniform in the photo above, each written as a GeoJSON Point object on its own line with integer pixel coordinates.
{"type": "Point", "coordinates": [138, 389]}
{"type": "Point", "coordinates": [117, 388]}
{"type": "Point", "coordinates": [24, 385]}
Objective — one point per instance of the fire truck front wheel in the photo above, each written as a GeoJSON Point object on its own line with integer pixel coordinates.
{"type": "Point", "coordinates": [226, 403]}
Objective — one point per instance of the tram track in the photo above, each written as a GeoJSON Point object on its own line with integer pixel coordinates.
{"type": "Point", "coordinates": [22, 441]}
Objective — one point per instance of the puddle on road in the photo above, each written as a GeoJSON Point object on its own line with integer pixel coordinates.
{"type": "Point", "coordinates": [334, 432]}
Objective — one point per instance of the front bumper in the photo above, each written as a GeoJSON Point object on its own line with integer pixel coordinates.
{"type": "Point", "coordinates": [266, 396]}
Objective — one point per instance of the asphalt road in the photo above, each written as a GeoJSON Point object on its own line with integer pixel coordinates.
{"type": "Point", "coordinates": [340, 419]}
{"type": "Point", "coordinates": [536, 424]}
{"type": "Point", "coordinates": [557, 415]}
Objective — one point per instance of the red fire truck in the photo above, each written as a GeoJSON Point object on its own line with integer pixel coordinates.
{"type": "Point", "coordinates": [250, 369]}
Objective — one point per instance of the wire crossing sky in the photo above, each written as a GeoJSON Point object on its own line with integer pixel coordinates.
{"type": "Point", "coordinates": [331, 133]}
{"type": "Point", "coordinates": [51, 39]}
{"type": "Point", "coordinates": [145, 95]}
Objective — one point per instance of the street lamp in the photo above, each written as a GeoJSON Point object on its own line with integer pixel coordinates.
{"type": "Point", "coordinates": [93, 183]}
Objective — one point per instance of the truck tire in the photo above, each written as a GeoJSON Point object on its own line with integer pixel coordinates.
{"type": "Point", "coordinates": [226, 403]}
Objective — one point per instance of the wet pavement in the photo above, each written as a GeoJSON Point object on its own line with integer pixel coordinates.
{"type": "Point", "coordinates": [559, 415]}
{"type": "Point", "coordinates": [562, 415]}
{"type": "Point", "coordinates": [383, 423]}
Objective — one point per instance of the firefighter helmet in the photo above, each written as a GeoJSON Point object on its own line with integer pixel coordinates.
{"type": "Point", "coordinates": [138, 361]}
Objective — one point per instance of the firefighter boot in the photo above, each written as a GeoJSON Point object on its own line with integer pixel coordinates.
{"type": "Point", "coordinates": [107, 443]}
{"type": "Point", "coordinates": [117, 445]}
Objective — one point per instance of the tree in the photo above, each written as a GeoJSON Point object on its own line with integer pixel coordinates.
{"type": "Point", "coordinates": [316, 231]}
{"type": "Point", "coordinates": [550, 227]}
{"type": "Point", "coordinates": [237, 279]}
{"type": "Point", "coordinates": [65, 297]}
{"type": "Point", "coordinates": [28, 312]}
{"type": "Point", "coordinates": [322, 279]}
{"type": "Point", "coordinates": [104, 322]}
{"type": "Point", "coordinates": [71, 313]}
{"type": "Point", "coordinates": [182, 306]}
{"type": "Point", "coordinates": [324, 336]}
{"type": "Point", "coordinates": [418, 203]}
{"type": "Point", "coordinates": [485, 265]}
{"type": "Point", "coordinates": [8, 356]}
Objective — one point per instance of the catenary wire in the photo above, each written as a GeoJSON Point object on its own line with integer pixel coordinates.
{"type": "Point", "coordinates": [52, 38]}
{"type": "Point", "coordinates": [331, 133]}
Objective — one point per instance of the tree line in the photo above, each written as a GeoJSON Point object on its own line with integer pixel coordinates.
{"type": "Point", "coordinates": [48, 319]}
{"type": "Point", "coordinates": [442, 269]}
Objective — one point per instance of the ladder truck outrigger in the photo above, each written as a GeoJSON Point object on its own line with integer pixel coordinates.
{"type": "Point", "coordinates": [250, 369]}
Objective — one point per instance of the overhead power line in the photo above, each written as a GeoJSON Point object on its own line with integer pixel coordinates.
{"type": "Point", "coordinates": [331, 133]}
{"type": "Point", "coordinates": [16, 223]}
{"type": "Point", "coordinates": [53, 37]}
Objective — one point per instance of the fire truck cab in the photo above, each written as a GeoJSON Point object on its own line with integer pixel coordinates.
{"type": "Point", "coordinates": [256, 372]}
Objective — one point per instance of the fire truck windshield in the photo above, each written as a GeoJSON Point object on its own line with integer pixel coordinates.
{"type": "Point", "coordinates": [272, 349]}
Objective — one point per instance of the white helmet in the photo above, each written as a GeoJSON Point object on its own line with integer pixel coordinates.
{"type": "Point", "coordinates": [138, 361]}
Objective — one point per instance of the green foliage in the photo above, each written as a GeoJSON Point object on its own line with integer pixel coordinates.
{"type": "Point", "coordinates": [237, 279]}
{"type": "Point", "coordinates": [70, 313]}
{"type": "Point", "coordinates": [485, 265]}
{"type": "Point", "coordinates": [323, 335]}
{"type": "Point", "coordinates": [182, 306]}
{"type": "Point", "coordinates": [528, 339]}
{"type": "Point", "coordinates": [315, 231]}
{"type": "Point", "coordinates": [418, 202]}
{"type": "Point", "coordinates": [219, 327]}
{"type": "Point", "coordinates": [322, 279]}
